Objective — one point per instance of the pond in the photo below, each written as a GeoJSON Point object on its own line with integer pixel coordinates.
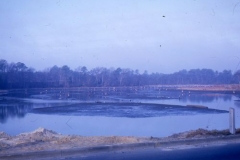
{"type": "Point", "coordinates": [120, 111]}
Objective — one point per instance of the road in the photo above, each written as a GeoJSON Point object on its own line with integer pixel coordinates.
{"type": "Point", "coordinates": [224, 152]}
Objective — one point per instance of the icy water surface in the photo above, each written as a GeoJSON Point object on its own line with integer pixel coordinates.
{"type": "Point", "coordinates": [135, 111]}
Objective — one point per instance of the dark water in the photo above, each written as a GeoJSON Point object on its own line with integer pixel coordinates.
{"type": "Point", "coordinates": [138, 111]}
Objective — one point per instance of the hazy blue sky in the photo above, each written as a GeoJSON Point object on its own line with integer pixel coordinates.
{"type": "Point", "coordinates": [158, 36]}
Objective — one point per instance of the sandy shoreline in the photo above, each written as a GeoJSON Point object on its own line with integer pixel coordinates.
{"type": "Point", "coordinates": [46, 141]}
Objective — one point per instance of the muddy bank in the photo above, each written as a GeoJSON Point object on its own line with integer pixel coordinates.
{"type": "Point", "coordinates": [46, 140]}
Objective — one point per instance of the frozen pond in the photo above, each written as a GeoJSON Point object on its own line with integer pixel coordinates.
{"type": "Point", "coordinates": [134, 111]}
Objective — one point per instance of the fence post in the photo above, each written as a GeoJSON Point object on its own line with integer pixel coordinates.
{"type": "Point", "coordinates": [232, 129]}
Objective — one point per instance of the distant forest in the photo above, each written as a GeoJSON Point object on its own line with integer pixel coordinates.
{"type": "Point", "coordinates": [18, 75]}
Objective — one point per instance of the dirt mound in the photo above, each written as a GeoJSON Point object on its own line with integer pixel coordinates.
{"type": "Point", "coordinates": [43, 139]}
{"type": "Point", "coordinates": [40, 133]}
{"type": "Point", "coordinates": [4, 135]}
{"type": "Point", "coordinates": [202, 133]}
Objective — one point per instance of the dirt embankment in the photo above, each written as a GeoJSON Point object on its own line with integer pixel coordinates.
{"type": "Point", "coordinates": [47, 140]}
{"type": "Point", "coordinates": [232, 88]}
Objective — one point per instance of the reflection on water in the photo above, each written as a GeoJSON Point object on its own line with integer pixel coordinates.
{"type": "Point", "coordinates": [237, 103]}
{"type": "Point", "coordinates": [109, 126]}
{"type": "Point", "coordinates": [198, 98]}
{"type": "Point", "coordinates": [126, 104]}
{"type": "Point", "coordinates": [12, 109]}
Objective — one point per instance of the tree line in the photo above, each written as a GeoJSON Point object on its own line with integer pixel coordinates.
{"type": "Point", "coordinates": [18, 75]}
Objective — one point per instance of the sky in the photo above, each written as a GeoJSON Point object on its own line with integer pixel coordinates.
{"type": "Point", "coordinates": [153, 35]}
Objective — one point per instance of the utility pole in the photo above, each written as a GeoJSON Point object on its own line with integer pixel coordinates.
{"type": "Point", "coordinates": [232, 129]}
